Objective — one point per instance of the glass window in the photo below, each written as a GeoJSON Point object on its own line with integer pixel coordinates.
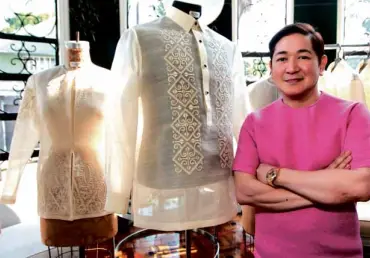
{"type": "Point", "coordinates": [354, 28]}
{"type": "Point", "coordinates": [28, 17]}
{"type": "Point", "coordinates": [28, 41]}
{"type": "Point", "coordinates": [258, 21]}
{"type": "Point", "coordinates": [142, 11]}
{"type": "Point", "coordinates": [356, 22]}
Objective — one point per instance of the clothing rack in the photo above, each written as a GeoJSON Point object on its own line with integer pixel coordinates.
{"type": "Point", "coordinates": [255, 54]}
{"type": "Point", "coordinates": [336, 46]}
{"type": "Point", "coordinates": [356, 53]}
{"type": "Point", "coordinates": [349, 53]}
{"type": "Point", "coordinates": [326, 47]}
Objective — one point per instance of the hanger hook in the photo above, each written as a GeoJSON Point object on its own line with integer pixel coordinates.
{"type": "Point", "coordinates": [339, 51]}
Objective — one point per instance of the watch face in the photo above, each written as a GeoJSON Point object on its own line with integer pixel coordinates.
{"type": "Point", "coordinates": [270, 176]}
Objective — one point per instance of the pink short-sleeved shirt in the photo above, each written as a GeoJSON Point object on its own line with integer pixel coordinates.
{"type": "Point", "coordinates": [308, 138]}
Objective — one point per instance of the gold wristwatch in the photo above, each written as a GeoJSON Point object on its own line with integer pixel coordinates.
{"type": "Point", "coordinates": [271, 176]}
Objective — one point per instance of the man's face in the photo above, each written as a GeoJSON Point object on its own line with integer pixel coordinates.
{"type": "Point", "coordinates": [295, 67]}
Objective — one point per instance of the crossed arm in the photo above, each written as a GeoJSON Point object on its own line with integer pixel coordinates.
{"type": "Point", "coordinates": [250, 191]}
{"type": "Point", "coordinates": [299, 189]}
{"type": "Point", "coordinates": [328, 186]}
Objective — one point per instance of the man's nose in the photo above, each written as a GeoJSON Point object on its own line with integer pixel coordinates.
{"type": "Point", "coordinates": [292, 66]}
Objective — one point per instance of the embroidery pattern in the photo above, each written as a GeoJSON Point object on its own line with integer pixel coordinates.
{"type": "Point", "coordinates": [184, 103]}
{"type": "Point", "coordinates": [222, 81]}
{"type": "Point", "coordinates": [88, 189]}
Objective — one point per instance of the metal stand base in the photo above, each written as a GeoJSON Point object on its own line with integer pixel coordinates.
{"type": "Point", "coordinates": [188, 241]}
{"type": "Point", "coordinates": [81, 251]}
{"type": "Point", "coordinates": [61, 252]}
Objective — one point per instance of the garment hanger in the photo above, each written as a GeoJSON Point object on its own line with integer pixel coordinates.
{"type": "Point", "coordinates": [209, 9]}
{"type": "Point", "coordinates": [365, 61]}
{"type": "Point", "coordinates": [338, 58]}
{"type": "Point", "coordinates": [194, 10]}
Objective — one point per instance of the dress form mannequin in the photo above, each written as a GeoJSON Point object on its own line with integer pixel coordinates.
{"type": "Point", "coordinates": [77, 54]}
{"type": "Point", "coordinates": [87, 231]}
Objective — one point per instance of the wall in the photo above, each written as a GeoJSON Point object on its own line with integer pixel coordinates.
{"type": "Point", "coordinates": [98, 22]}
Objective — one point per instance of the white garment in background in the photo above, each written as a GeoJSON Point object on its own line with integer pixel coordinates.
{"type": "Point", "coordinates": [72, 115]}
{"type": "Point", "coordinates": [365, 78]}
{"type": "Point", "coordinates": [184, 102]}
{"type": "Point", "coordinates": [264, 91]}
{"type": "Point", "coordinates": [261, 93]}
{"type": "Point", "coordinates": [343, 82]}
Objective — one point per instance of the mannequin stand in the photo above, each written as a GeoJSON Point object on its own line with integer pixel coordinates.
{"type": "Point", "coordinates": [188, 240]}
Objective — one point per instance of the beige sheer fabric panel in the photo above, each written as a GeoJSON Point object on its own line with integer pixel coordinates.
{"type": "Point", "coordinates": [73, 115]}
{"type": "Point", "coordinates": [176, 201]}
{"type": "Point", "coordinates": [119, 191]}
{"type": "Point", "coordinates": [25, 138]}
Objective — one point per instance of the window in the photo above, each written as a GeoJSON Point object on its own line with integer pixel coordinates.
{"type": "Point", "coordinates": [28, 44]}
{"type": "Point", "coordinates": [142, 11]}
{"type": "Point", "coordinates": [354, 26]}
{"type": "Point", "coordinates": [258, 21]}
{"type": "Point", "coordinates": [356, 21]}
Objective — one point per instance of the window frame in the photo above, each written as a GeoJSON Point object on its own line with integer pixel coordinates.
{"type": "Point", "coordinates": [62, 34]}
{"type": "Point", "coordinates": [259, 56]}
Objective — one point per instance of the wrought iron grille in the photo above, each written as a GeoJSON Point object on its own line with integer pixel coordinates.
{"type": "Point", "coordinates": [255, 65]}
{"type": "Point", "coordinates": [27, 46]}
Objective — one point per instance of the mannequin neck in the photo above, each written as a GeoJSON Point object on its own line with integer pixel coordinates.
{"type": "Point", "coordinates": [77, 54]}
{"type": "Point", "coordinates": [191, 9]}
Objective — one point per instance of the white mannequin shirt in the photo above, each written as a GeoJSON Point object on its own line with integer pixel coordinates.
{"type": "Point", "coordinates": [184, 102]}
{"type": "Point", "coordinates": [72, 115]}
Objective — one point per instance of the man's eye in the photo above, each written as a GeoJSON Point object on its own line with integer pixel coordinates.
{"type": "Point", "coordinates": [281, 59]}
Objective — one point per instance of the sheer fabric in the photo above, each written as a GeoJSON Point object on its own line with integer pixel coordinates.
{"type": "Point", "coordinates": [73, 116]}
{"type": "Point", "coordinates": [184, 102]}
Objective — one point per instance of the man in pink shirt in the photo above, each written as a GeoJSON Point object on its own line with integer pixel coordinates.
{"type": "Point", "coordinates": [304, 209]}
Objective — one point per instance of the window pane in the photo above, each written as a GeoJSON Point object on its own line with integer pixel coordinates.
{"type": "Point", "coordinates": [354, 61]}
{"type": "Point", "coordinates": [28, 17]}
{"type": "Point", "coordinates": [142, 11]}
{"type": "Point", "coordinates": [10, 95]}
{"type": "Point", "coordinates": [6, 132]}
{"type": "Point", "coordinates": [256, 67]}
{"type": "Point", "coordinates": [25, 57]}
{"type": "Point", "coordinates": [356, 21]}
{"type": "Point", "coordinates": [258, 21]}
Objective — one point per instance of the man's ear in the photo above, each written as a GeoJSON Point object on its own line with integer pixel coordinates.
{"type": "Point", "coordinates": [323, 63]}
